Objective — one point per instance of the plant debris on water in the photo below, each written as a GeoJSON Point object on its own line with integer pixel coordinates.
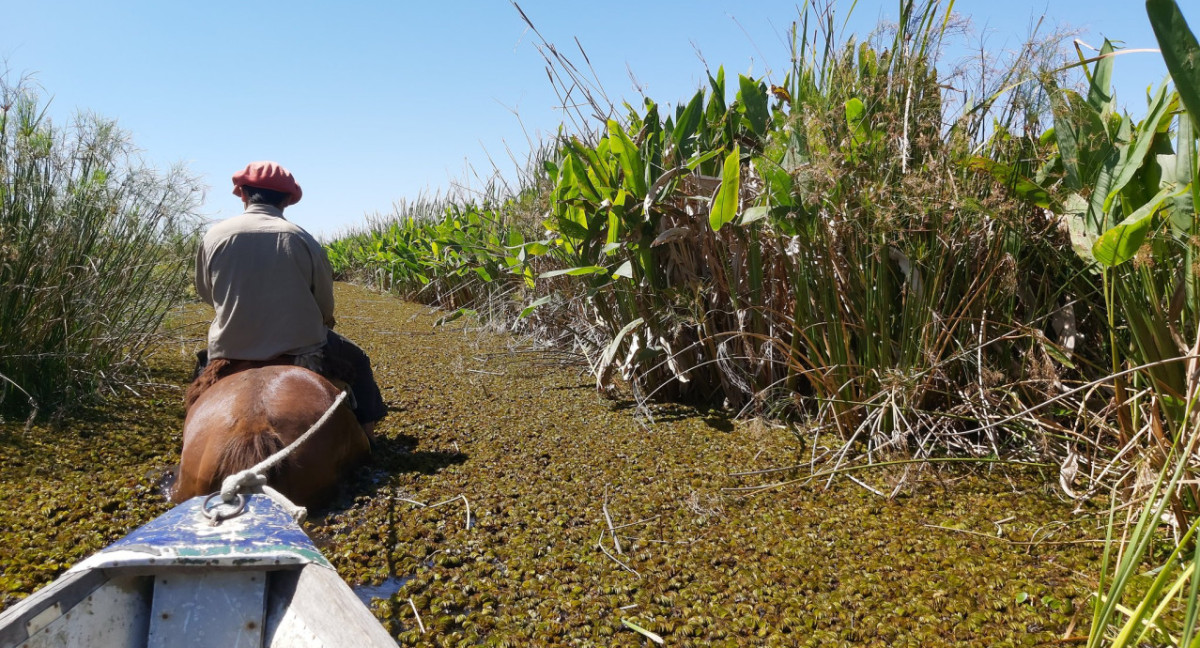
{"type": "Point", "coordinates": [586, 519]}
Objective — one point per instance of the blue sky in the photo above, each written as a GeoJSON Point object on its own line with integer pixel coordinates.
{"type": "Point", "coordinates": [372, 102]}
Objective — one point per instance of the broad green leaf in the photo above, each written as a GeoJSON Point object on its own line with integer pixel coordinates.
{"type": "Point", "coordinates": [1179, 215]}
{"type": "Point", "coordinates": [718, 87]}
{"type": "Point", "coordinates": [525, 312]}
{"type": "Point", "coordinates": [1067, 134]}
{"type": "Point", "coordinates": [536, 249]}
{"type": "Point", "coordinates": [1083, 238]}
{"type": "Point", "coordinates": [628, 156]}
{"type": "Point", "coordinates": [1180, 52]}
{"type": "Point", "coordinates": [1097, 218]}
{"type": "Point", "coordinates": [701, 159]}
{"type": "Point", "coordinates": [571, 223]}
{"type": "Point", "coordinates": [724, 208]}
{"type": "Point", "coordinates": [577, 181]}
{"type": "Point", "coordinates": [754, 214]}
{"type": "Point", "coordinates": [602, 188]}
{"type": "Point", "coordinates": [796, 154]}
{"type": "Point", "coordinates": [1131, 162]}
{"type": "Point", "coordinates": [483, 274]}
{"type": "Point", "coordinates": [1025, 188]}
{"type": "Point", "coordinates": [1100, 90]}
{"type": "Point", "coordinates": [856, 114]}
{"type": "Point", "coordinates": [1183, 208]}
{"type": "Point", "coordinates": [753, 97]}
{"type": "Point", "coordinates": [689, 121]}
{"type": "Point", "coordinates": [868, 64]}
{"type": "Point", "coordinates": [574, 272]}
{"type": "Point", "coordinates": [855, 109]}
{"type": "Point", "coordinates": [778, 181]}
{"type": "Point", "coordinates": [1121, 243]}
{"type": "Point", "coordinates": [615, 232]}
{"type": "Point", "coordinates": [598, 160]}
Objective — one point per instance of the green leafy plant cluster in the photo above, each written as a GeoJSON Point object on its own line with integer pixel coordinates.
{"type": "Point", "coordinates": [1128, 189]}
{"type": "Point", "coordinates": [450, 256]}
{"type": "Point", "coordinates": [825, 242]}
{"type": "Point", "coordinates": [828, 246]}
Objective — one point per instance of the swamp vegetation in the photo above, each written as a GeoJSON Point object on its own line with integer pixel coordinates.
{"type": "Point", "coordinates": [977, 267]}
{"type": "Point", "coordinates": [872, 354]}
{"type": "Point", "coordinates": [963, 556]}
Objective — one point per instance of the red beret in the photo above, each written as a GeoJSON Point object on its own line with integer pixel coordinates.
{"type": "Point", "coordinates": [267, 175]}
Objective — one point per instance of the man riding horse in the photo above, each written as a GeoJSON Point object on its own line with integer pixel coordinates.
{"type": "Point", "coordinates": [271, 285]}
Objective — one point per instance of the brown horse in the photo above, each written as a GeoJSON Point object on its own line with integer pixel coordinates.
{"type": "Point", "coordinates": [239, 413]}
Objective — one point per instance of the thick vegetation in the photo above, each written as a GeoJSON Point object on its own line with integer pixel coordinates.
{"type": "Point", "coordinates": [1015, 280]}
{"type": "Point", "coordinates": [833, 249]}
{"type": "Point", "coordinates": [969, 557]}
{"type": "Point", "coordinates": [92, 252]}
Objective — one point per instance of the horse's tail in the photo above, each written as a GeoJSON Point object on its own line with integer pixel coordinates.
{"type": "Point", "coordinates": [248, 447]}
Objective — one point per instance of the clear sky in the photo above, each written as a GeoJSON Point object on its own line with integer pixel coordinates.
{"type": "Point", "coordinates": [372, 102]}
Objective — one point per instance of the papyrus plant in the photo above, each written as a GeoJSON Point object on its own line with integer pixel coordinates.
{"type": "Point", "coordinates": [93, 253]}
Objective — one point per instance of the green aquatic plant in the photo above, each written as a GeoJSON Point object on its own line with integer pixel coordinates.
{"type": "Point", "coordinates": [1157, 295]}
{"type": "Point", "coordinates": [839, 244]}
{"type": "Point", "coordinates": [820, 246]}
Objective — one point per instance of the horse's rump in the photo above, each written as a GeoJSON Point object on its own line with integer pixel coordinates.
{"type": "Point", "coordinates": [219, 368]}
{"type": "Point", "coordinates": [248, 449]}
{"type": "Point", "coordinates": [242, 412]}
{"type": "Point", "coordinates": [336, 370]}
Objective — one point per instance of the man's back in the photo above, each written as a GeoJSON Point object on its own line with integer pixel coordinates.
{"type": "Point", "coordinates": [270, 284]}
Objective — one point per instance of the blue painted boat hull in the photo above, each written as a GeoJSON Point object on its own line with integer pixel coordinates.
{"type": "Point", "coordinates": [253, 580]}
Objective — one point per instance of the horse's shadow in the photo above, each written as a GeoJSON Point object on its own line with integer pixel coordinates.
{"type": "Point", "coordinates": [390, 456]}
{"type": "Point", "coordinates": [399, 454]}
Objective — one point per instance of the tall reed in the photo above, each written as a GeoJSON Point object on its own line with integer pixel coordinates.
{"type": "Point", "coordinates": [93, 253]}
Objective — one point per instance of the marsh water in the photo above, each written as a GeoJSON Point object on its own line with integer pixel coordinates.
{"type": "Point", "coordinates": [966, 556]}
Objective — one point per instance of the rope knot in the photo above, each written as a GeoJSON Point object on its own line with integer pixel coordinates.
{"type": "Point", "coordinates": [254, 479]}
{"type": "Point", "coordinates": [246, 481]}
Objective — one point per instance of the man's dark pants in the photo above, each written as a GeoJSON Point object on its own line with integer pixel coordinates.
{"type": "Point", "coordinates": [369, 405]}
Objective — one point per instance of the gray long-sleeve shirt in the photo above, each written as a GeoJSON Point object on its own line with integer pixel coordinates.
{"type": "Point", "coordinates": [270, 284]}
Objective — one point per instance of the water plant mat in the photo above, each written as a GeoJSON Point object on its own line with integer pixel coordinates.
{"type": "Point", "coordinates": [535, 474]}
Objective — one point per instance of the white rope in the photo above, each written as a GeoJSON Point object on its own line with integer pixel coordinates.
{"type": "Point", "coordinates": [298, 513]}
{"type": "Point", "coordinates": [254, 479]}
